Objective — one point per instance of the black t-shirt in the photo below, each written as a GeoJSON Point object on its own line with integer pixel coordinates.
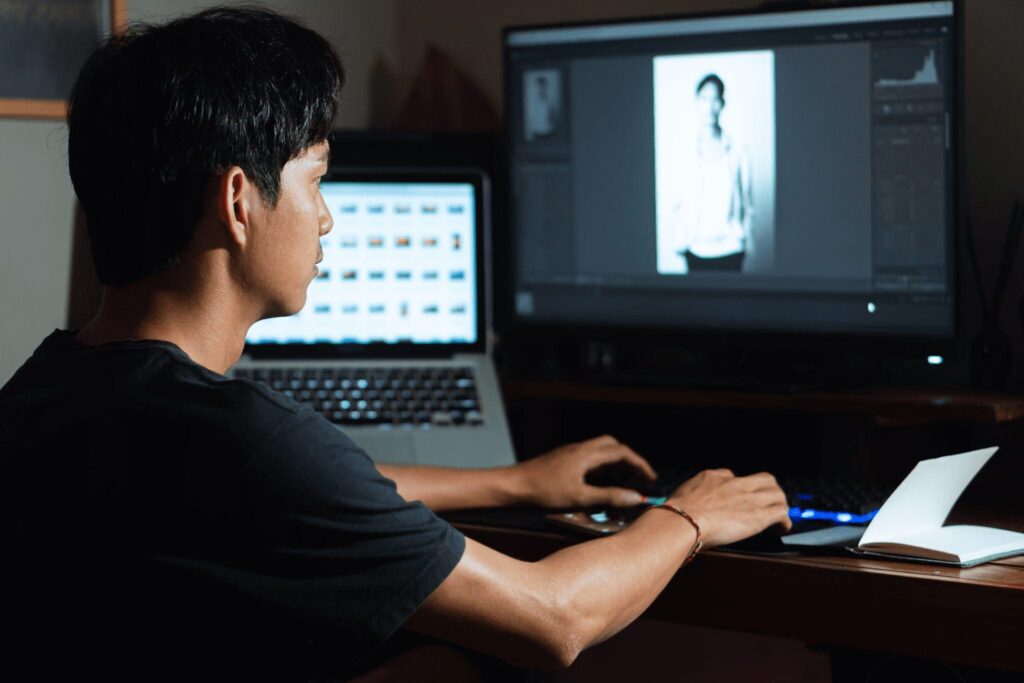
{"type": "Point", "coordinates": [162, 518]}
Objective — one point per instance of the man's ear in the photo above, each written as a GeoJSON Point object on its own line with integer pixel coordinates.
{"type": "Point", "coordinates": [234, 203]}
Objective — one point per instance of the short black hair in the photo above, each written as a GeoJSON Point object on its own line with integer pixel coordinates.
{"type": "Point", "coordinates": [157, 111]}
{"type": "Point", "coordinates": [714, 80]}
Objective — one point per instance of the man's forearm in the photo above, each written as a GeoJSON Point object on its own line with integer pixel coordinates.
{"type": "Point", "coordinates": [608, 583]}
{"type": "Point", "coordinates": [445, 488]}
{"type": "Point", "coordinates": [543, 614]}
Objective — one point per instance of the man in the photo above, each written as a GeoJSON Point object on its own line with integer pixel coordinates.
{"type": "Point", "coordinates": [542, 104]}
{"type": "Point", "coordinates": [165, 521]}
{"type": "Point", "coordinates": [717, 213]}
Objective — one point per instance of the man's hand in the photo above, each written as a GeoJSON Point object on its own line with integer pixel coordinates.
{"type": "Point", "coordinates": [730, 508]}
{"type": "Point", "coordinates": [556, 479]}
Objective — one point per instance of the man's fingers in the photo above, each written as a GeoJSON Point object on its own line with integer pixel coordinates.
{"type": "Point", "coordinates": [781, 516]}
{"type": "Point", "coordinates": [612, 495]}
{"type": "Point", "coordinates": [762, 481]}
{"type": "Point", "coordinates": [639, 462]}
{"type": "Point", "coordinates": [616, 452]}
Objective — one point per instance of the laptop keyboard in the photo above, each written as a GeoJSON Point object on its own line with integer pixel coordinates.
{"type": "Point", "coordinates": [398, 396]}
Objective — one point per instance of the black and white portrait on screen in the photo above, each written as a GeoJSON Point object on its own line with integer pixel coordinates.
{"type": "Point", "coordinates": [714, 120]}
{"type": "Point", "coordinates": [542, 104]}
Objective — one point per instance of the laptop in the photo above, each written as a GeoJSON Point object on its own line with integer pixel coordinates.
{"type": "Point", "coordinates": [392, 344]}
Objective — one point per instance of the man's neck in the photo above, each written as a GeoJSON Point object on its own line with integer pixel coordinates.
{"type": "Point", "coordinates": [209, 327]}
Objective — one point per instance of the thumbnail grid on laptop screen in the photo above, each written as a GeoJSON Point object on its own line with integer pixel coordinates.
{"type": "Point", "coordinates": [399, 266]}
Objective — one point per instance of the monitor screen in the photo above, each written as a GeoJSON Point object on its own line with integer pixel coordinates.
{"type": "Point", "coordinates": [399, 266]}
{"type": "Point", "coordinates": [777, 172]}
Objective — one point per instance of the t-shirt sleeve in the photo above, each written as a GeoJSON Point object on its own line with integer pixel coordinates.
{"type": "Point", "coordinates": [342, 552]}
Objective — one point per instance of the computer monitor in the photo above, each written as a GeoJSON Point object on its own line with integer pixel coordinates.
{"type": "Point", "coordinates": [767, 172]}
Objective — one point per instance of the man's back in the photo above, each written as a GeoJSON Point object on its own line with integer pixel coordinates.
{"type": "Point", "coordinates": [155, 507]}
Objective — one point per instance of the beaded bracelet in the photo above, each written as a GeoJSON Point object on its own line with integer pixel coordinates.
{"type": "Point", "coordinates": [682, 513]}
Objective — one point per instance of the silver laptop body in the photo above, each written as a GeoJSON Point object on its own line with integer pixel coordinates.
{"type": "Point", "coordinates": [392, 344]}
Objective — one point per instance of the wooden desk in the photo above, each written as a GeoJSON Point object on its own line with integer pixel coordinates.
{"type": "Point", "coordinates": [964, 616]}
{"type": "Point", "coordinates": [967, 616]}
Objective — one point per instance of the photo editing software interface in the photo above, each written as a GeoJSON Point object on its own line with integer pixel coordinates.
{"type": "Point", "coordinates": [398, 266]}
{"type": "Point", "coordinates": [790, 171]}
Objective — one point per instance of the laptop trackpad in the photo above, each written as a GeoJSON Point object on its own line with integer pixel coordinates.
{"type": "Point", "coordinates": [388, 447]}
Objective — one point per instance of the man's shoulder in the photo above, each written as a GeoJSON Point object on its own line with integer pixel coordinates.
{"type": "Point", "coordinates": [137, 388]}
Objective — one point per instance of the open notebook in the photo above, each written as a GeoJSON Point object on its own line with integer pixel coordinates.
{"type": "Point", "coordinates": [910, 524]}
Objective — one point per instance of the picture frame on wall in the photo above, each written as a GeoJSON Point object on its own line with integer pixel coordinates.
{"type": "Point", "coordinates": [43, 44]}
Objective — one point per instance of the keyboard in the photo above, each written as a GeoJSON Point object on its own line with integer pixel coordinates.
{"type": "Point", "coordinates": [832, 499]}
{"type": "Point", "coordinates": [824, 499]}
{"type": "Point", "coordinates": [399, 396]}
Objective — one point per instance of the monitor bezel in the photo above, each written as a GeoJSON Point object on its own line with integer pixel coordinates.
{"type": "Point", "coordinates": [855, 342]}
{"type": "Point", "coordinates": [480, 183]}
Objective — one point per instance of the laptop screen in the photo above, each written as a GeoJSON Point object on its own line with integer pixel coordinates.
{"type": "Point", "coordinates": [400, 266]}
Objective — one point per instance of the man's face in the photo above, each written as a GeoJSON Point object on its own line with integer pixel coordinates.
{"type": "Point", "coordinates": [286, 237]}
{"type": "Point", "coordinates": [709, 104]}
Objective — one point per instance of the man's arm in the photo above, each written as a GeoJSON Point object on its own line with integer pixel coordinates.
{"type": "Point", "coordinates": [555, 479]}
{"type": "Point", "coordinates": [543, 614]}
{"type": "Point", "coordinates": [450, 488]}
